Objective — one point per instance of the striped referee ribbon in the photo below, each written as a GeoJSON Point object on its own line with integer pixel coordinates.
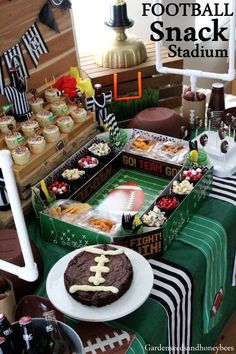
{"type": "Point", "coordinates": [224, 189]}
{"type": "Point", "coordinates": [173, 290]}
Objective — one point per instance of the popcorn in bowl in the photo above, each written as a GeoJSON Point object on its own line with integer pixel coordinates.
{"type": "Point", "coordinates": [73, 174]}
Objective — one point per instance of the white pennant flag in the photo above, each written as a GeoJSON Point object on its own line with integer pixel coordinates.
{"type": "Point", "coordinates": [14, 59]}
{"type": "Point", "coordinates": [34, 43]}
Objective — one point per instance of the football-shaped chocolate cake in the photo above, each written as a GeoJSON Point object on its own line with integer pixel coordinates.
{"type": "Point", "coordinates": [99, 275]}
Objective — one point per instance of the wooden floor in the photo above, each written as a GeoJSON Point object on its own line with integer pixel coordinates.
{"type": "Point", "coordinates": [228, 337]}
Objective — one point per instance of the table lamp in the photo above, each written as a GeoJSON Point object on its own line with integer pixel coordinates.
{"type": "Point", "coordinates": [124, 50]}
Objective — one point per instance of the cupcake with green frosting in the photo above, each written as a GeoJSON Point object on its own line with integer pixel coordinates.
{"type": "Point", "coordinates": [203, 159]}
{"type": "Point", "coordinates": [198, 158]}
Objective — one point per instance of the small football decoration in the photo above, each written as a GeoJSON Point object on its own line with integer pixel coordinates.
{"type": "Point", "coordinates": [128, 197]}
{"type": "Point", "coordinates": [192, 96]}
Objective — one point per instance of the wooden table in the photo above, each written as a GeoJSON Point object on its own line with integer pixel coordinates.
{"type": "Point", "coordinates": [169, 85]}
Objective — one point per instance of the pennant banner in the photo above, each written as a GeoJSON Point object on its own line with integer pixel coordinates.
{"type": "Point", "coordinates": [14, 58]}
{"type": "Point", "coordinates": [47, 18]}
{"type": "Point", "coordinates": [2, 84]}
{"type": "Point", "coordinates": [34, 43]}
{"type": "Point", "coordinates": [63, 4]}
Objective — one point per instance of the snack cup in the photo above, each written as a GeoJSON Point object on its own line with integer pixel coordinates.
{"type": "Point", "coordinates": [79, 115]}
{"type": "Point", "coordinates": [191, 179]}
{"type": "Point", "coordinates": [180, 197]}
{"type": "Point", "coordinates": [59, 108]}
{"type": "Point", "coordinates": [13, 140]}
{"type": "Point", "coordinates": [51, 95]}
{"type": "Point", "coordinates": [89, 170]}
{"type": "Point", "coordinates": [186, 189]}
{"type": "Point", "coordinates": [29, 128]}
{"type": "Point", "coordinates": [36, 147]}
{"type": "Point", "coordinates": [37, 105]}
{"type": "Point", "coordinates": [75, 182]}
{"type": "Point", "coordinates": [192, 109]}
{"type": "Point", "coordinates": [102, 158]}
{"type": "Point", "coordinates": [21, 158]}
{"type": "Point", "coordinates": [4, 125]}
{"type": "Point", "coordinates": [172, 203]}
{"type": "Point", "coordinates": [58, 191]}
{"type": "Point", "coordinates": [65, 124]}
{"type": "Point", "coordinates": [51, 133]}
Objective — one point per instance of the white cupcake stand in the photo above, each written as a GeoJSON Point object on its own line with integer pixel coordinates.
{"type": "Point", "coordinates": [224, 164]}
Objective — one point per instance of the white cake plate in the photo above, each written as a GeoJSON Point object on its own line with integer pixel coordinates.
{"type": "Point", "coordinates": [136, 295]}
{"type": "Point", "coordinates": [224, 164]}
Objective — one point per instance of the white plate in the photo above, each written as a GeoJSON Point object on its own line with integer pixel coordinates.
{"type": "Point", "coordinates": [138, 292]}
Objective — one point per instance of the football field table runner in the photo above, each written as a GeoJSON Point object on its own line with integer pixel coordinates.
{"type": "Point", "coordinates": [174, 313]}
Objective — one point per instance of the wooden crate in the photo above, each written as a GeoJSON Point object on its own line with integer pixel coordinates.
{"type": "Point", "coordinates": [15, 18]}
{"type": "Point", "coordinates": [42, 164]}
{"type": "Point", "coordinates": [6, 218]}
{"type": "Point", "coordinates": [44, 168]}
{"type": "Point", "coordinates": [169, 85]}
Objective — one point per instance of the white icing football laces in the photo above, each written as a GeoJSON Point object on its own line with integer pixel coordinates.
{"type": "Point", "coordinates": [100, 268]}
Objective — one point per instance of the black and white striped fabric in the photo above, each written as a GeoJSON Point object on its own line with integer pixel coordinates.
{"type": "Point", "coordinates": [112, 123]}
{"type": "Point", "coordinates": [4, 201]}
{"type": "Point", "coordinates": [34, 43]}
{"type": "Point", "coordinates": [14, 58]}
{"type": "Point", "coordinates": [19, 100]}
{"type": "Point", "coordinates": [91, 104]}
{"type": "Point", "coordinates": [99, 108]}
{"type": "Point", "coordinates": [224, 189]}
{"type": "Point", "coordinates": [173, 290]}
{"type": "Point", "coordinates": [2, 83]}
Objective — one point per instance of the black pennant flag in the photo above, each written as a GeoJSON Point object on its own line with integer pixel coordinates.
{"type": "Point", "coordinates": [63, 4]}
{"type": "Point", "coordinates": [47, 18]}
{"type": "Point", "coordinates": [34, 43]}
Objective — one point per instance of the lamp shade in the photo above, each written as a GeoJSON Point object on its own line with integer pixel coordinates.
{"type": "Point", "coordinates": [119, 17]}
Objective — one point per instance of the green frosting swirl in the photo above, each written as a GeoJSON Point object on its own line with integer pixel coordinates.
{"type": "Point", "coordinates": [120, 140]}
{"type": "Point", "coordinates": [203, 159]}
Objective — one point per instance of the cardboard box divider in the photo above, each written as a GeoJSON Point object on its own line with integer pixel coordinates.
{"type": "Point", "coordinates": [149, 243]}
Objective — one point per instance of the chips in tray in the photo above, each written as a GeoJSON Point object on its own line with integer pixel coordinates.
{"type": "Point", "coordinates": [172, 151]}
{"type": "Point", "coordinates": [101, 222]}
{"type": "Point", "coordinates": [172, 147]}
{"type": "Point", "coordinates": [68, 210]}
{"type": "Point", "coordinates": [142, 144]}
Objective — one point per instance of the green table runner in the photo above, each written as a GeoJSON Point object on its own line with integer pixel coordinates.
{"type": "Point", "coordinates": [210, 238]}
{"type": "Point", "coordinates": [150, 320]}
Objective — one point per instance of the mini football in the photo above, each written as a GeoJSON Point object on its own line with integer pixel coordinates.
{"type": "Point", "coordinates": [128, 197]}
